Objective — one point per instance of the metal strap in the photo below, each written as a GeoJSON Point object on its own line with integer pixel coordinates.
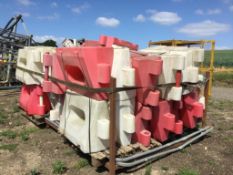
{"type": "Point", "coordinates": [102, 90]}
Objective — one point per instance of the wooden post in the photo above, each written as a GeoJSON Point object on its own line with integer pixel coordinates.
{"type": "Point", "coordinates": [112, 129]}
{"type": "Point", "coordinates": [206, 95]}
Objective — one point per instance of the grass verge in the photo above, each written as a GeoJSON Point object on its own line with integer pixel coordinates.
{"type": "Point", "coordinates": [187, 171]}
{"type": "Point", "coordinates": [81, 163]}
{"type": "Point", "coordinates": [9, 147]}
{"type": "Point", "coordinates": [58, 167]}
{"type": "Point", "coordinates": [8, 134]}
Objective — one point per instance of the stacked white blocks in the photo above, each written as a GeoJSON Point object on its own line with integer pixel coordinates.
{"type": "Point", "coordinates": [125, 102]}
{"type": "Point", "coordinates": [182, 59]}
{"type": "Point", "coordinates": [31, 58]}
{"type": "Point", "coordinates": [80, 112]}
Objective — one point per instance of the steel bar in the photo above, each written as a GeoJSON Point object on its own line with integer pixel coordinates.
{"type": "Point", "coordinates": [163, 153]}
{"type": "Point", "coordinates": [154, 150]}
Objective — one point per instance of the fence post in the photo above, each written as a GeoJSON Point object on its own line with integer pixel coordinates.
{"type": "Point", "coordinates": [112, 129]}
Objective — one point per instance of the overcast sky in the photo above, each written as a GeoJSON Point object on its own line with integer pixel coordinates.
{"type": "Point", "coordinates": [135, 20]}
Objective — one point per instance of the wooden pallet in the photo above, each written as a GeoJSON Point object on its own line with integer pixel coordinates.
{"type": "Point", "coordinates": [53, 124]}
{"type": "Point", "coordinates": [36, 120]}
{"type": "Point", "coordinates": [101, 158]}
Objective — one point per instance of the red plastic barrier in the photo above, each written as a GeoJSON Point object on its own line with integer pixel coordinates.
{"type": "Point", "coordinates": [33, 101]}
{"type": "Point", "coordinates": [52, 61]}
{"type": "Point", "coordinates": [163, 121]}
{"type": "Point", "coordinates": [108, 41]}
{"type": "Point", "coordinates": [86, 66]}
{"type": "Point", "coordinates": [147, 69]}
{"type": "Point", "coordinates": [143, 117]}
{"type": "Point", "coordinates": [92, 43]}
{"type": "Point", "coordinates": [192, 110]}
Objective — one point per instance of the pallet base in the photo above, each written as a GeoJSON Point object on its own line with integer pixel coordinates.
{"type": "Point", "coordinates": [38, 121]}
{"type": "Point", "coordinates": [101, 158]}
{"type": "Point", "coordinates": [52, 124]}
{"type": "Point", "coordinates": [124, 151]}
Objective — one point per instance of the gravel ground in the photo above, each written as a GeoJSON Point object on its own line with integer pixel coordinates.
{"type": "Point", "coordinates": [222, 93]}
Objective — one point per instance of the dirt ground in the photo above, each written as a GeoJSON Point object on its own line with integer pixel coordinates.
{"type": "Point", "coordinates": [26, 149]}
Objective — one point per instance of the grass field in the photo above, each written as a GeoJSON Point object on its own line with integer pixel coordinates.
{"type": "Point", "coordinates": [223, 58]}
{"type": "Point", "coordinates": [223, 79]}
{"type": "Point", "coordinates": [224, 65]}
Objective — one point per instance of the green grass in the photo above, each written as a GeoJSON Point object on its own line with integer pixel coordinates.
{"type": "Point", "coordinates": [184, 151]}
{"type": "Point", "coordinates": [223, 78]}
{"type": "Point", "coordinates": [9, 147]}
{"type": "Point", "coordinates": [187, 171]}
{"type": "Point", "coordinates": [164, 168]}
{"type": "Point", "coordinates": [69, 152]}
{"type": "Point", "coordinates": [81, 163]}
{"type": "Point", "coordinates": [222, 58]}
{"type": "Point", "coordinates": [222, 105]}
{"type": "Point", "coordinates": [211, 163]}
{"type": "Point", "coordinates": [34, 172]}
{"type": "Point", "coordinates": [148, 169]}
{"type": "Point", "coordinates": [16, 109]}
{"type": "Point", "coordinates": [58, 167]}
{"type": "Point", "coordinates": [3, 117]}
{"type": "Point", "coordinates": [8, 134]}
{"type": "Point", "coordinates": [17, 122]}
{"type": "Point", "coordinates": [24, 135]}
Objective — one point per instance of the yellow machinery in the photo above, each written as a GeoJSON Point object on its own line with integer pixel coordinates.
{"type": "Point", "coordinates": [209, 70]}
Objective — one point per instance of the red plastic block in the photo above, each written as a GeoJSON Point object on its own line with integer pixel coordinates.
{"type": "Point", "coordinates": [92, 43]}
{"type": "Point", "coordinates": [33, 101]}
{"type": "Point", "coordinates": [143, 117]}
{"type": "Point", "coordinates": [163, 122]}
{"type": "Point", "coordinates": [108, 41]}
{"type": "Point", "coordinates": [147, 69]}
{"type": "Point", "coordinates": [86, 66]}
{"type": "Point", "coordinates": [192, 110]}
{"type": "Point", "coordinates": [52, 61]}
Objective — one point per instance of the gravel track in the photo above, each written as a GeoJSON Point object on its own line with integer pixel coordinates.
{"type": "Point", "coordinates": [222, 93]}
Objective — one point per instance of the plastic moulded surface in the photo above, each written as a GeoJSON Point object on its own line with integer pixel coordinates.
{"type": "Point", "coordinates": [109, 41]}
{"type": "Point", "coordinates": [192, 109]}
{"type": "Point", "coordinates": [177, 58]}
{"type": "Point", "coordinates": [163, 121]}
{"type": "Point", "coordinates": [86, 66]}
{"type": "Point", "coordinates": [31, 58]}
{"type": "Point", "coordinates": [125, 100]}
{"type": "Point", "coordinates": [57, 102]}
{"type": "Point", "coordinates": [143, 119]}
{"type": "Point", "coordinates": [85, 122]}
{"type": "Point", "coordinates": [33, 101]}
{"type": "Point", "coordinates": [147, 69]}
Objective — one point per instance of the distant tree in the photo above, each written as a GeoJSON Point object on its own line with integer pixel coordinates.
{"type": "Point", "coordinates": [49, 42]}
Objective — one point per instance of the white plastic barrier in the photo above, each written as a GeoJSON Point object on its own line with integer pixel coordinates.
{"type": "Point", "coordinates": [85, 122]}
{"type": "Point", "coordinates": [31, 58]}
{"type": "Point", "coordinates": [177, 58]}
{"type": "Point", "coordinates": [197, 53]}
{"type": "Point", "coordinates": [57, 102]}
{"type": "Point", "coordinates": [171, 63]}
{"type": "Point", "coordinates": [125, 101]}
{"type": "Point", "coordinates": [21, 62]}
